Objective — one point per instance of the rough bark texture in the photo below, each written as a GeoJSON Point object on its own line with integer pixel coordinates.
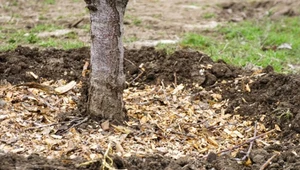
{"type": "Point", "coordinates": [107, 78]}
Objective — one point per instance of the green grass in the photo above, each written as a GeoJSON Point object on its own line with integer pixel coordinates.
{"type": "Point", "coordinates": [209, 15]}
{"type": "Point", "coordinates": [45, 27]}
{"type": "Point", "coordinates": [50, 2]}
{"type": "Point", "coordinates": [66, 45]}
{"type": "Point", "coordinates": [130, 39]}
{"type": "Point", "coordinates": [242, 43]}
{"type": "Point", "coordinates": [10, 38]}
{"type": "Point", "coordinates": [135, 20]}
{"type": "Point", "coordinates": [169, 48]}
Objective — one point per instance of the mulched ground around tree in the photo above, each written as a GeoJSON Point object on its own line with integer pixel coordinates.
{"type": "Point", "coordinates": [257, 95]}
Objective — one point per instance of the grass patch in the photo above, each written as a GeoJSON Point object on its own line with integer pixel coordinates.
{"type": "Point", "coordinates": [50, 2]}
{"type": "Point", "coordinates": [209, 15]}
{"type": "Point", "coordinates": [130, 39]}
{"type": "Point", "coordinates": [45, 27]}
{"type": "Point", "coordinates": [10, 38]}
{"type": "Point", "coordinates": [243, 43]}
{"type": "Point", "coordinates": [196, 41]}
{"type": "Point", "coordinates": [56, 43]}
{"type": "Point", "coordinates": [135, 20]}
{"type": "Point", "coordinates": [169, 48]}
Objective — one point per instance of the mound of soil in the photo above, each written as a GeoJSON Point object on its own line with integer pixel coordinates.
{"type": "Point", "coordinates": [264, 95]}
{"type": "Point", "coordinates": [49, 64]}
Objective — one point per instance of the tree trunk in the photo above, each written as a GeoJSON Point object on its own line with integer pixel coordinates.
{"type": "Point", "coordinates": [107, 78]}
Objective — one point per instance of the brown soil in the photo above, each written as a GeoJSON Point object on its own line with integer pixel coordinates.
{"type": "Point", "coordinates": [272, 96]}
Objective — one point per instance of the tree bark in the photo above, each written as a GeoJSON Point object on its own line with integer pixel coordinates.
{"type": "Point", "coordinates": [107, 78]}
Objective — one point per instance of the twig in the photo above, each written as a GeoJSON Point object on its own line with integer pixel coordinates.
{"type": "Point", "coordinates": [165, 94]}
{"type": "Point", "coordinates": [129, 61]}
{"type": "Point", "coordinates": [201, 58]}
{"type": "Point", "coordinates": [224, 48]}
{"type": "Point", "coordinates": [77, 23]}
{"type": "Point", "coordinates": [61, 131]}
{"type": "Point", "coordinates": [219, 126]}
{"type": "Point", "coordinates": [175, 79]}
{"type": "Point", "coordinates": [87, 163]}
{"type": "Point", "coordinates": [44, 167]}
{"type": "Point", "coordinates": [184, 134]}
{"type": "Point", "coordinates": [79, 123]}
{"type": "Point", "coordinates": [247, 156]}
{"type": "Point", "coordinates": [85, 68]}
{"type": "Point", "coordinates": [264, 166]}
{"type": "Point", "coordinates": [106, 164]}
{"type": "Point", "coordinates": [41, 100]}
{"type": "Point", "coordinates": [42, 126]}
{"type": "Point", "coordinates": [53, 124]}
{"type": "Point", "coordinates": [137, 76]}
{"type": "Point", "coordinates": [45, 88]}
{"type": "Point", "coordinates": [251, 143]}
{"type": "Point", "coordinates": [247, 141]}
{"type": "Point", "coordinates": [142, 71]}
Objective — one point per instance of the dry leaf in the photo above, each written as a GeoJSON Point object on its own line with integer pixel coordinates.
{"type": "Point", "coordinates": [65, 88]}
{"type": "Point", "coordinates": [216, 97]}
{"type": "Point", "coordinates": [212, 141]}
{"type": "Point", "coordinates": [277, 128]}
{"type": "Point", "coordinates": [247, 88]}
{"type": "Point", "coordinates": [177, 89]}
{"type": "Point", "coordinates": [18, 150]}
{"type": "Point", "coordinates": [105, 125]}
{"type": "Point", "coordinates": [121, 129]}
{"type": "Point", "coordinates": [144, 120]}
{"type": "Point", "coordinates": [119, 147]}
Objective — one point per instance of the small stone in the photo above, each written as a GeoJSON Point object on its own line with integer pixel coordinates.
{"type": "Point", "coordinates": [211, 157]}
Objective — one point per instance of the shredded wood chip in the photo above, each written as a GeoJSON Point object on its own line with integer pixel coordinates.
{"type": "Point", "coordinates": [164, 119]}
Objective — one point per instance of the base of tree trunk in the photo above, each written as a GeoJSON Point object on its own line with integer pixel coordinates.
{"type": "Point", "coordinates": [105, 102]}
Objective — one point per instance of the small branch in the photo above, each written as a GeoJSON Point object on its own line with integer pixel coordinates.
{"type": "Point", "coordinates": [264, 166]}
{"type": "Point", "coordinates": [224, 48]}
{"type": "Point", "coordinates": [53, 124]}
{"type": "Point", "coordinates": [137, 77]}
{"type": "Point", "coordinates": [129, 61]}
{"type": "Point", "coordinates": [105, 163]}
{"type": "Point", "coordinates": [175, 79]}
{"type": "Point", "coordinates": [142, 70]}
{"type": "Point", "coordinates": [42, 126]}
{"type": "Point", "coordinates": [75, 25]}
{"type": "Point", "coordinates": [251, 143]}
{"type": "Point", "coordinates": [183, 134]}
{"type": "Point", "coordinates": [219, 126]}
{"type": "Point", "coordinates": [45, 88]}
{"type": "Point", "coordinates": [85, 68]}
{"type": "Point", "coordinates": [79, 123]}
{"type": "Point", "coordinates": [44, 167]}
{"type": "Point", "coordinates": [165, 94]}
{"type": "Point", "coordinates": [41, 100]}
{"type": "Point", "coordinates": [73, 125]}
{"type": "Point", "coordinates": [247, 156]}
{"type": "Point", "coordinates": [247, 141]}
